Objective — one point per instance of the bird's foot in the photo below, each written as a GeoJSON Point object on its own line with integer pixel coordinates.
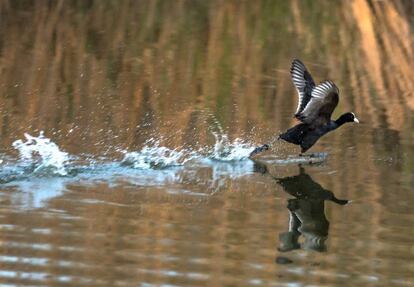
{"type": "Point", "coordinates": [259, 150]}
{"type": "Point", "coordinates": [310, 155]}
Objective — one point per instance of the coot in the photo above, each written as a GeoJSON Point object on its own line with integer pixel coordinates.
{"type": "Point", "coordinates": [315, 106]}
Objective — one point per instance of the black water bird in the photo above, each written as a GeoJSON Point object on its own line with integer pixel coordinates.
{"type": "Point", "coordinates": [315, 106]}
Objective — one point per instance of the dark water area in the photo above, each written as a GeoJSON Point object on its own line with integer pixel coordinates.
{"type": "Point", "coordinates": [125, 130]}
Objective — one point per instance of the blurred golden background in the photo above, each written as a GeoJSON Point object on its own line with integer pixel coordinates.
{"type": "Point", "coordinates": [101, 75]}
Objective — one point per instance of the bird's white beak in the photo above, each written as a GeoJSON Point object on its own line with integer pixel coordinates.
{"type": "Point", "coordinates": [356, 120]}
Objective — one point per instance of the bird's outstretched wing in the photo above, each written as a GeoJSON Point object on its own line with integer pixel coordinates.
{"type": "Point", "coordinates": [323, 101]}
{"type": "Point", "coordinates": [303, 82]}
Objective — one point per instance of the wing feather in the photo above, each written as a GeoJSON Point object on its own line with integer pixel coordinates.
{"type": "Point", "coordinates": [323, 102]}
{"type": "Point", "coordinates": [303, 82]}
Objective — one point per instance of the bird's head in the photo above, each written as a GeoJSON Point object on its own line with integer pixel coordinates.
{"type": "Point", "coordinates": [347, 118]}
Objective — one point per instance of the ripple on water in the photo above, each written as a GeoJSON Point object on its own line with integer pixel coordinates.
{"type": "Point", "coordinates": [180, 222]}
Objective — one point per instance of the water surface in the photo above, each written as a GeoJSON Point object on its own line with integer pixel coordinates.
{"type": "Point", "coordinates": [125, 128]}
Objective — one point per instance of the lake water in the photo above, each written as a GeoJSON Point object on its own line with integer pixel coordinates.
{"type": "Point", "coordinates": [125, 129]}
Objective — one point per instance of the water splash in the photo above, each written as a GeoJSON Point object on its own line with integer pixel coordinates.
{"type": "Point", "coordinates": [155, 156]}
{"type": "Point", "coordinates": [224, 150]}
{"type": "Point", "coordinates": [41, 154]}
{"type": "Point", "coordinates": [153, 165]}
{"type": "Point", "coordinates": [38, 155]}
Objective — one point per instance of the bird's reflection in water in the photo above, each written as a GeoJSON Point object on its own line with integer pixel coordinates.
{"type": "Point", "coordinates": [306, 211]}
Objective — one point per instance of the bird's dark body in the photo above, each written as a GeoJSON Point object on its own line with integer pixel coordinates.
{"type": "Point", "coordinates": [316, 104]}
{"type": "Point", "coordinates": [305, 135]}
